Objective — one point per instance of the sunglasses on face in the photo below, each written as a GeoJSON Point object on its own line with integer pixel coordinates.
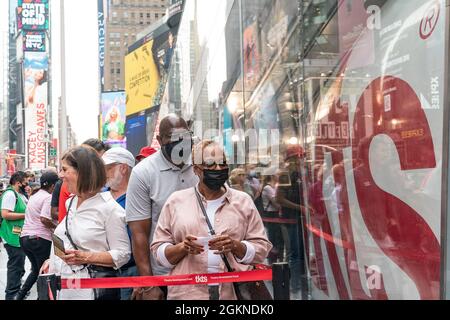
{"type": "Point", "coordinates": [213, 164]}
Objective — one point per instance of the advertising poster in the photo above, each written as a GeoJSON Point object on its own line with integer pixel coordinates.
{"type": "Point", "coordinates": [36, 101]}
{"type": "Point", "coordinates": [163, 51]}
{"type": "Point", "coordinates": [34, 41]}
{"type": "Point", "coordinates": [251, 57]}
{"type": "Point", "coordinates": [142, 129]}
{"type": "Point", "coordinates": [141, 78]}
{"type": "Point", "coordinates": [266, 116]}
{"type": "Point", "coordinates": [33, 15]}
{"type": "Point", "coordinates": [147, 68]}
{"type": "Point", "coordinates": [374, 231]}
{"type": "Point", "coordinates": [136, 132]}
{"type": "Point", "coordinates": [113, 108]}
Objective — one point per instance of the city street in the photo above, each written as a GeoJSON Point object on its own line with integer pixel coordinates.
{"type": "Point", "coordinates": [3, 262]}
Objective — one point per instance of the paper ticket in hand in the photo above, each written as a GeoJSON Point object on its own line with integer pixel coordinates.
{"type": "Point", "coordinates": [203, 241]}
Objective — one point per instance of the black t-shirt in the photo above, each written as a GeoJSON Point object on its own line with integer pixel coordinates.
{"type": "Point", "coordinates": [55, 195]}
{"type": "Point", "coordinates": [294, 194]}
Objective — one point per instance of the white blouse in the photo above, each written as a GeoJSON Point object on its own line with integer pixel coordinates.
{"type": "Point", "coordinates": [98, 225]}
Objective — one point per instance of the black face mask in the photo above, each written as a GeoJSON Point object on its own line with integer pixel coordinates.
{"type": "Point", "coordinates": [22, 188]}
{"type": "Point", "coordinates": [178, 152]}
{"type": "Point", "coordinates": [215, 179]}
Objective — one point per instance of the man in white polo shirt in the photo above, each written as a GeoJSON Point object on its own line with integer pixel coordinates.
{"type": "Point", "coordinates": [152, 182]}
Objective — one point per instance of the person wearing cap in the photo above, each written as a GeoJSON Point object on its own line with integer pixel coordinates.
{"type": "Point", "coordinates": [290, 198]}
{"type": "Point", "coordinates": [36, 236]}
{"type": "Point", "coordinates": [119, 163]}
{"type": "Point", "coordinates": [145, 153]}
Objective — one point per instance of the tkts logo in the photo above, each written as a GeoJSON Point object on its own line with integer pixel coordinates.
{"type": "Point", "coordinates": [201, 279]}
{"type": "Point", "coordinates": [429, 20]}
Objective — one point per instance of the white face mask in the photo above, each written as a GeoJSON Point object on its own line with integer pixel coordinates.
{"type": "Point", "coordinates": [116, 179]}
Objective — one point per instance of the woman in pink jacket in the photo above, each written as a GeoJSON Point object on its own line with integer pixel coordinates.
{"type": "Point", "coordinates": [184, 242]}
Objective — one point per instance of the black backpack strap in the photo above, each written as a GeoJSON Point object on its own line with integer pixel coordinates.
{"type": "Point", "coordinates": [211, 229]}
{"type": "Point", "coordinates": [67, 225]}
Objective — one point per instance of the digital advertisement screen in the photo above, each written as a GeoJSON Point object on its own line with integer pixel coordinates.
{"type": "Point", "coordinates": [113, 108]}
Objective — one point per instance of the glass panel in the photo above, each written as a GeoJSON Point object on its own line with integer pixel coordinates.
{"type": "Point", "coordinates": [271, 68]}
{"type": "Point", "coordinates": [373, 97]}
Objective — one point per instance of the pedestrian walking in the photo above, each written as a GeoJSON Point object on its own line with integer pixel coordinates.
{"type": "Point", "coordinates": [36, 236]}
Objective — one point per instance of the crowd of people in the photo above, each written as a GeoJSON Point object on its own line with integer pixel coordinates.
{"type": "Point", "coordinates": [161, 212]}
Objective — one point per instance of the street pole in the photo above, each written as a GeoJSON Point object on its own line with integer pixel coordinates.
{"type": "Point", "coordinates": [63, 112]}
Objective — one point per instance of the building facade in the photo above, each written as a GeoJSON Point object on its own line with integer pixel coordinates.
{"type": "Point", "coordinates": [125, 19]}
{"type": "Point", "coordinates": [4, 123]}
{"type": "Point", "coordinates": [29, 83]}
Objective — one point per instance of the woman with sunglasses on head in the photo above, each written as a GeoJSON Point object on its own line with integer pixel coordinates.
{"type": "Point", "coordinates": [186, 243]}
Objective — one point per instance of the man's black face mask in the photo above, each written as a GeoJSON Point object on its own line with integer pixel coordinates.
{"type": "Point", "coordinates": [179, 151]}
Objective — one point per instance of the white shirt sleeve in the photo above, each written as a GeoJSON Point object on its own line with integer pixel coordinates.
{"type": "Point", "coordinates": [9, 201]}
{"type": "Point", "coordinates": [161, 255]}
{"type": "Point", "coordinates": [249, 254]}
{"type": "Point", "coordinates": [117, 237]}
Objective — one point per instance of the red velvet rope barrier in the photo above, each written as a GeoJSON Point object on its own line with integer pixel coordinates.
{"type": "Point", "coordinates": [180, 280]}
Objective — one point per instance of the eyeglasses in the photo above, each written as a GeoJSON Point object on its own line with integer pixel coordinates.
{"type": "Point", "coordinates": [180, 136]}
{"type": "Point", "coordinates": [211, 165]}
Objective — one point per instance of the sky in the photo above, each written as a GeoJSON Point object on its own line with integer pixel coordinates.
{"type": "Point", "coordinates": [82, 79]}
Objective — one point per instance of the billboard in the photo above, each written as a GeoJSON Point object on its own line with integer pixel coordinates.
{"type": "Point", "coordinates": [141, 78]}
{"type": "Point", "coordinates": [113, 110]}
{"type": "Point", "coordinates": [141, 130]}
{"type": "Point", "coordinates": [34, 41]}
{"type": "Point", "coordinates": [374, 228]}
{"type": "Point", "coordinates": [33, 15]}
{"type": "Point", "coordinates": [251, 57]}
{"type": "Point", "coordinates": [147, 68]}
{"type": "Point", "coordinates": [36, 102]}
{"type": "Point", "coordinates": [101, 41]}
{"type": "Point", "coordinates": [136, 133]}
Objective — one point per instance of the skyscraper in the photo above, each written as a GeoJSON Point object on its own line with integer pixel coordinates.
{"type": "Point", "coordinates": [125, 19]}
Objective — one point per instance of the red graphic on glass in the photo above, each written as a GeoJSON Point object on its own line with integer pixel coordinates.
{"type": "Point", "coordinates": [399, 231]}
{"type": "Point", "coordinates": [430, 20]}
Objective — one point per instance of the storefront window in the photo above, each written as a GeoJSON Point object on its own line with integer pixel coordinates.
{"type": "Point", "coordinates": [373, 96]}
{"type": "Point", "coordinates": [339, 107]}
